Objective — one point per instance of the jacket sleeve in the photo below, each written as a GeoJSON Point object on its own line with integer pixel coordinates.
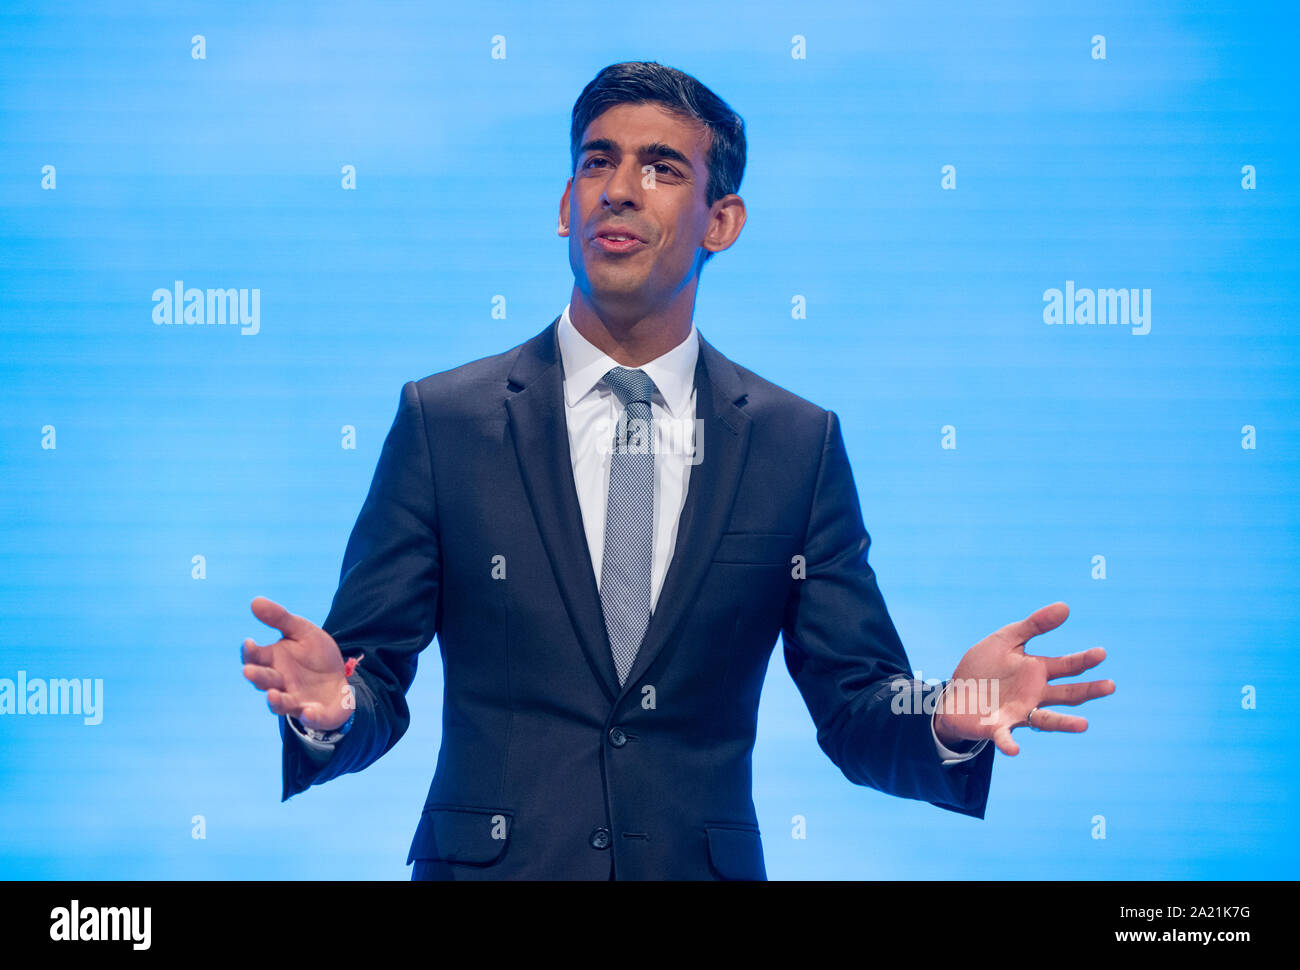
{"type": "Point", "coordinates": [387, 603]}
{"type": "Point", "coordinates": [846, 658]}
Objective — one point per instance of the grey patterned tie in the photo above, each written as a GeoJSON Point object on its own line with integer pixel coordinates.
{"type": "Point", "coordinates": [625, 568]}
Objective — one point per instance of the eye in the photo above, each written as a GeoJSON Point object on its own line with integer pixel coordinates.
{"type": "Point", "coordinates": [598, 158]}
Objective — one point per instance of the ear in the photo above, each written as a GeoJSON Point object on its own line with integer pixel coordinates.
{"type": "Point", "coordinates": [563, 228]}
{"type": "Point", "coordinates": [725, 223]}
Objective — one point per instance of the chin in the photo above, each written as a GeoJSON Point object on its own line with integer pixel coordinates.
{"type": "Point", "coordinates": [617, 280]}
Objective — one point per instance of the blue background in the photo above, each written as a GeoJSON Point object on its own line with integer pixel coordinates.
{"type": "Point", "coordinates": [924, 310]}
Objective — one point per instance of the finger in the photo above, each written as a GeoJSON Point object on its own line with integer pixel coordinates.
{"type": "Point", "coordinates": [312, 712]}
{"type": "Point", "coordinates": [273, 614]}
{"type": "Point", "coordinates": [1076, 693]}
{"type": "Point", "coordinates": [1073, 664]}
{"type": "Point", "coordinates": [281, 703]}
{"type": "Point", "coordinates": [1054, 721]}
{"type": "Point", "coordinates": [1040, 621]}
{"type": "Point", "coordinates": [1002, 738]}
{"type": "Point", "coordinates": [264, 678]}
{"type": "Point", "coordinates": [251, 653]}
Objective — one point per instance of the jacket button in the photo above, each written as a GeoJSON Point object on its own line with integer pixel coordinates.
{"type": "Point", "coordinates": [599, 838]}
{"type": "Point", "coordinates": [617, 738]}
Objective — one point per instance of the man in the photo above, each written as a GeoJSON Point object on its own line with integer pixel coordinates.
{"type": "Point", "coordinates": [605, 600]}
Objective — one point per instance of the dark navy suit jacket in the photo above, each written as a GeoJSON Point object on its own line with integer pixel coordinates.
{"type": "Point", "coordinates": [548, 769]}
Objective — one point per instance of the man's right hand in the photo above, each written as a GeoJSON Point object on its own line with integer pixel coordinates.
{"type": "Point", "coordinates": [302, 673]}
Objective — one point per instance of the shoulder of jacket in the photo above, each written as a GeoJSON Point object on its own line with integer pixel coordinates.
{"type": "Point", "coordinates": [766, 399]}
{"type": "Point", "coordinates": [452, 391]}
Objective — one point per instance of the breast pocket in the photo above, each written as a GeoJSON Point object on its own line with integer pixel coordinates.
{"type": "Point", "coordinates": [756, 548]}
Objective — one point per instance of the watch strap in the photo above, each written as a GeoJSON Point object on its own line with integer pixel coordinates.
{"type": "Point", "coordinates": [324, 737]}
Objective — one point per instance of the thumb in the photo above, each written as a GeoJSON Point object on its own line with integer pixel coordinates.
{"type": "Point", "coordinates": [1002, 738]}
{"type": "Point", "coordinates": [273, 614]}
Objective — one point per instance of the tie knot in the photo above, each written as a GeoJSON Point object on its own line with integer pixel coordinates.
{"type": "Point", "coordinates": [630, 385]}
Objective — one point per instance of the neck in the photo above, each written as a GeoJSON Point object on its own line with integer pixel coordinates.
{"type": "Point", "coordinates": [632, 337]}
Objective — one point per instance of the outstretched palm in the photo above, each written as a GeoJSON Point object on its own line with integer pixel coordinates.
{"type": "Point", "coordinates": [997, 669]}
{"type": "Point", "coordinates": [303, 673]}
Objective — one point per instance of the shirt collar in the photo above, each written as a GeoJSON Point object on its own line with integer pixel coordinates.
{"type": "Point", "coordinates": [585, 365]}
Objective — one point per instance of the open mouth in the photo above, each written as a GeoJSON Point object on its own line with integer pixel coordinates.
{"type": "Point", "coordinates": [613, 241]}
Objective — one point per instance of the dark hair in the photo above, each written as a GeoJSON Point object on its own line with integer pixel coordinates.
{"type": "Point", "coordinates": [638, 82]}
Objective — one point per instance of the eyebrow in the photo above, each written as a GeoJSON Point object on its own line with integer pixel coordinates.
{"type": "Point", "coordinates": [656, 149]}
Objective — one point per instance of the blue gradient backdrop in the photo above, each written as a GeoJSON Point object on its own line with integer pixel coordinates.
{"type": "Point", "coordinates": [924, 310]}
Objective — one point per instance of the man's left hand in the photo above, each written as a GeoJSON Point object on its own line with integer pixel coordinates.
{"type": "Point", "coordinates": [1021, 681]}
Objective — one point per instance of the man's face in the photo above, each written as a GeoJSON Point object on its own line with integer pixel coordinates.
{"type": "Point", "coordinates": [663, 206]}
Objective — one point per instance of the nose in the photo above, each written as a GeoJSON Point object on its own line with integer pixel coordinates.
{"type": "Point", "coordinates": [623, 187]}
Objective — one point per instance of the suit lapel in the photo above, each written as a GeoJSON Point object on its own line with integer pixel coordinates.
{"type": "Point", "coordinates": [535, 406]}
{"type": "Point", "coordinates": [710, 494]}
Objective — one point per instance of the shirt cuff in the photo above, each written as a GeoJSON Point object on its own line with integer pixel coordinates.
{"type": "Point", "coordinates": [318, 751]}
{"type": "Point", "coordinates": [949, 756]}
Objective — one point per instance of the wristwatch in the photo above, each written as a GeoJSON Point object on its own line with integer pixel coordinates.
{"type": "Point", "coordinates": [324, 737]}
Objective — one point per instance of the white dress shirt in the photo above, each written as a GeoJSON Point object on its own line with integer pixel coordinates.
{"type": "Point", "coordinates": [592, 411]}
